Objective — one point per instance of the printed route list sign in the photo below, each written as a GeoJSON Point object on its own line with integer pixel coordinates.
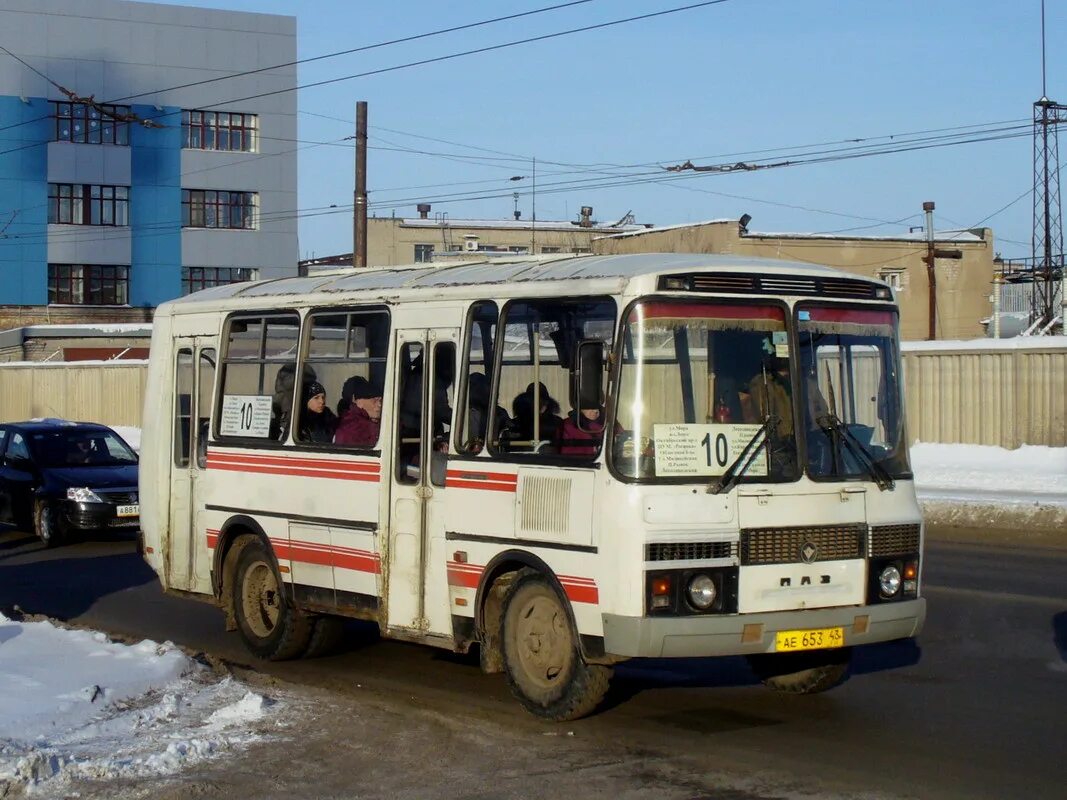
{"type": "Point", "coordinates": [246, 415]}
{"type": "Point", "coordinates": [686, 450]}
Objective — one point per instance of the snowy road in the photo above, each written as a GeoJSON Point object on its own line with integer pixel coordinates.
{"type": "Point", "coordinates": [968, 712]}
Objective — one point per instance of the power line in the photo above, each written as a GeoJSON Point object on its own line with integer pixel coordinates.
{"type": "Point", "coordinates": [464, 53]}
{"type": "Point", "coordinates": [363, 48]}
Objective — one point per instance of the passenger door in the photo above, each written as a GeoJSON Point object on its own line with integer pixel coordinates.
{"type": "Point", "coordinates": [194, 380]}
{"type": "Point", "coordinates": [417, 598]}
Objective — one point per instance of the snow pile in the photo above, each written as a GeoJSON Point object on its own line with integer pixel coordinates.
{"type": "Point", "coordinates": [987, 475]}
{"type": "Point", "coordinates": [982, 487]}
{"type": "Point", "coordinates": [74, 705]}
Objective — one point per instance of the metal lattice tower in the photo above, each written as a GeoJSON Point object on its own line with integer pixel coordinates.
{"type": "Point", "coordinates": [1048, 215]}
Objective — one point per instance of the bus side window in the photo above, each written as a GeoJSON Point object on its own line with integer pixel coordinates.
{"type": "Point", "coordinates": [537, 358]}
{"type": "Point", "coordinates": [409, 413]}
{"type": "Point", "coordinates": [183, 402]}
{"type": "Point", "coordinates": [346, 354]}
{"type": "Point", "coordinates": [472, 422]}
{"type": "Point", "coordinates": [258, 366]}
{"type": "Point", "coordinates": [444, 361]}
{"type": "Point", "coordinates": [206, 380]}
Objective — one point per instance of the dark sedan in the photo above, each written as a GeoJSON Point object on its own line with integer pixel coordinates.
{"type": "Point", "coordinates": [59, 477]}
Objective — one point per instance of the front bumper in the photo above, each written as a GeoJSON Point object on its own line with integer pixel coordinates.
{"type": "Point", "coordinates": [94, 516]}
{"type": "Point", "coordinates": [743, 634]}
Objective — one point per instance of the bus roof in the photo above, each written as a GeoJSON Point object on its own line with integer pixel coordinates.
{"type": "Point", "coordinates": [605, 274]}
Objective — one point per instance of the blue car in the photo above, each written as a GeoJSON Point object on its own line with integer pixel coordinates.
{"type": "Point", "coordinates": [58, 478]}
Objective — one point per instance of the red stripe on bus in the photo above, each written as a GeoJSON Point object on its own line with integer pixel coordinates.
{"type": "Point", "coordinates": [326, 463]}
{"type": "Point", "coordinates": [467, 576]}
{"type": "Point", "coordinates": [452, 483]}
{"type": "Point", "coordinates": [293, 472]}
{"type": "Point", "coordinates": [581, 592]}
{"type": "Point", "coordinates": [328, 556]}
{"type": "Point", "coordinates": [704, 311]}
{"type": "Point", "coordinates": [857, 315]}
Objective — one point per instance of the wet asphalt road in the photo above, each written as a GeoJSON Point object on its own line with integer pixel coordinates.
{"type": "Point", "coordinates": [977, 707]}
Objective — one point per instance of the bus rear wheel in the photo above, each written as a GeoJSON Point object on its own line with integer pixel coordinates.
{"type": "Point", "coordinates": [543, 663]}
{"type": "Point", "coordinates": [271, 627]}
{"type": "Point", "coordinates": [802, 673]}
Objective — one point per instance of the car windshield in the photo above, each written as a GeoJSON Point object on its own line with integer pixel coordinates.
{"type": "Point", "coordinates": [698, 382]}
{"type": "Point", "coordinates": [854, 413]}
{"type": "Point", "coordinates": [80, 447]}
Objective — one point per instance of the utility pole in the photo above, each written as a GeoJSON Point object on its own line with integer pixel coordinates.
{"type": "Point", "coordinates": [533, 210]}
{"type": "Point", "coordinates": [931, 272]}
{"type": "Point", "coordinates": [359, 223]}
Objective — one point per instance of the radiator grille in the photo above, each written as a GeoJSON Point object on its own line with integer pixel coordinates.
{"type": "Point", "coordinates": [717, 282]}
{"type": "Point", "coordinates": [786, 545]}
{"type": "Point", "coordinates": [689, 551]}
{"type": "Point", "coordinates": [117, 497]}
{"type": "Point", "coordinates": [894, 540]}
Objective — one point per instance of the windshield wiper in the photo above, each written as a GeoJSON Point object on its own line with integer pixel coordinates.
{"type": "Point", "coordinates": [744, 459]}
{"type": "Point", "coordinates": [832, 425]}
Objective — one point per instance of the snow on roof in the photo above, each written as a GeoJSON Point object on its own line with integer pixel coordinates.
{"type": "Point", "coordinates": [660, 228]}
{"type": "Point", "coordinates": [918, 236]}
{"type": "Point", "coordinates": [957, 235]}
{"type": "Point", "coordinates": [513, 224]}
{"type": "Point", "coordinates": [90, 329]}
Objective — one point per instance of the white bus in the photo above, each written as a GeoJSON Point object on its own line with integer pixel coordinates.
{"type": "Point", "coordinates": [655, 455]}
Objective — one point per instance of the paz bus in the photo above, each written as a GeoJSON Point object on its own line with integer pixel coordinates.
{"type": "Point", "coordinates": [566, 461]}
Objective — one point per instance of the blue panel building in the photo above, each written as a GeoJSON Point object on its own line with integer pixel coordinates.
{"type": "Point", "coordinates": [134, 165]}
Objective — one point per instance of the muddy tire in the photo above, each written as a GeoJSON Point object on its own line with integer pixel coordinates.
{"type": "Point", "coordinates": [802, 673]}
{"type": "Point", "coordinates": [327, 631]}
{"type": "Point", "coordinates": [266, 619]}
{"type": "Point", "coordinates": [46, 524]}
{"type": "Point", "coordinates": [542, 660]}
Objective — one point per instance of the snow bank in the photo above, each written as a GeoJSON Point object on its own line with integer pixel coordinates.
{"type": "Point", "coordinates": [75, 705]}
{"type": "Point", "coordinates": [990, 475]}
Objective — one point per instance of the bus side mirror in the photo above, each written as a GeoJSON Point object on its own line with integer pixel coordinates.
{"type": "Point", "coordinates": [589, 381]}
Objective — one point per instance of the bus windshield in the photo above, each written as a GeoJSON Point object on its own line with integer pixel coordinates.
{"type": "Point", "coordinates": [699, 382]}
{"type": "Point", "coordinates": [854, 418]}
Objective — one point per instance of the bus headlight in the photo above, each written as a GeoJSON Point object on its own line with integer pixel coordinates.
{"type": "Point", "coordinates": [889, 581]}
{"type": "Point", "coordinates": [702, 592]}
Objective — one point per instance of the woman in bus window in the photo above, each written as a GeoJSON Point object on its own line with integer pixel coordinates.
{"type": "Point", "coordinates": [317, 422]}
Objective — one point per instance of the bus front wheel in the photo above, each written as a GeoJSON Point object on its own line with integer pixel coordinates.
{"type": "Point", "coordinates": [802, 673]}
{"type": "Point", "coordinates": [270, 625]}
{"type": "Point", "coordinates": [544, 665]}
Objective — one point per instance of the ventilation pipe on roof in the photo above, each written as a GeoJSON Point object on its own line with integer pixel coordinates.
{"type": "Point", "coordinates": [424, 210]}
{"type": "Point", "coordinates": [586, 217]}
{"type": "Point", "coordinates": [742, 224]}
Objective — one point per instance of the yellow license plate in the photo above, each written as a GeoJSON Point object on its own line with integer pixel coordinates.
{"type": "Point", "coordinates": [816, 639]}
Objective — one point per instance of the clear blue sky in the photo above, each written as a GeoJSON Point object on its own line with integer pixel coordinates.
{"type": "Point", "coordinates": [706, 84]}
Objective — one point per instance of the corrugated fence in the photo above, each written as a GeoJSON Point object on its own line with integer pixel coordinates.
{"type": "Point", "coordinates": [1007, 393]}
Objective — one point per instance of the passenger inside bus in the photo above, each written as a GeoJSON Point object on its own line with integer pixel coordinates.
{"type": "Point", "coordinates": [360, 424]}
{"type": "Point", "coordinates": [581, 432]}
{"type": "Point", "coordinates": [478, 415]}
{"type": "Point", "coordinates": [317, 422]}
{"type": "Point", "coordinates": [281, 406]}
{"type": "Point", "coordinates": [548, 417]}
{"type": "Point", "coordinates": [770, 391]}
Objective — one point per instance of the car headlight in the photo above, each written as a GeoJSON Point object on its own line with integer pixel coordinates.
{"type": "Point", "coordinates": [702, 592]}
{"type": "Point", "coordinates": [889, 581]}
{"type": "Point", "coordinates": [83, 494]}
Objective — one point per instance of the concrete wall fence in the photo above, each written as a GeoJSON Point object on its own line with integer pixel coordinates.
{"type": "Point", "coordinates": [1008, 392]}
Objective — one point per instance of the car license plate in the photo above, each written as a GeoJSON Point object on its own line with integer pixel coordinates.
{"type": "Point", "coordinates": [127, 511]}
{"type": "Point", "coordinates": [816, 639]}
